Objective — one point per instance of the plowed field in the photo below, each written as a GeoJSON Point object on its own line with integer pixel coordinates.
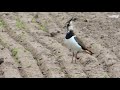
{"type": "Point", "coordinates": [32, 45]}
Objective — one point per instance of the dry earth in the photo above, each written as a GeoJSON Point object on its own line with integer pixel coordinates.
{"type": "Point", "coordinates": [31, 45]}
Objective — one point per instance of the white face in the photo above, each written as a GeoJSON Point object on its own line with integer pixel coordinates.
{"type": "Point", "coordinates": [68, 31]}
{"type": "Point", "coordinates": [71, 26]}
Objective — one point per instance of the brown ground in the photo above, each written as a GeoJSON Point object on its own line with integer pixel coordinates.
{"type": "Point", "coordinates": [31, 44]}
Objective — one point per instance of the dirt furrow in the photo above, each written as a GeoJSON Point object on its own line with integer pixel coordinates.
{"type": "Point", "coordinates": [32, 45]}
{"type": "Point", "coordinates": [102, 53]}
{"type": "Point", "coordinates": [105, 34]}
{"type": "Point", "coordinates": [99, 50]}
{"type": "Point", "coordinates": [9, 66]}
{"type": "Point", "coordinates": [45, 59]}
{"type": "Point", "coordinates": [110, 41]}
{"type": "Point", "coordinates": [51, 29]}
{"type": "Point", "coordinates": [26, 63]}
{"type": "Point", "coordinates": [91, 74]}
{"type": "Point", "coordinates": [57, 49]}
{"type": "Point", "coordinates": [33, 30]}
{"type": "Point", "coordinates": [63, 56]}
{"type": "Point", "coordinates": [92, 67]}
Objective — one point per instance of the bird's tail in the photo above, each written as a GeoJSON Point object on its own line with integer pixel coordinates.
{"type": "Point", "coordinates": [89, 52]}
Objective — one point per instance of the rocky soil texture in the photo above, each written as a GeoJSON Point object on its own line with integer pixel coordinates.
{"type": "Point", "coordinates": [31, 45]}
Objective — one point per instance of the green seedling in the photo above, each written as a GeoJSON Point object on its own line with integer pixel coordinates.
{"type": "Point", "coordinates": [105, 76]}
{"type": "Point", "coordinates": [33, 20]}
{"type": "Point", "coordinates": [2, 23]}
{"type": "Point", "coordinates": [20, 24]}
{"type": "Point", "coordinates": [42, 27]}
{"type": "Point", "coordinates": [14, 52]}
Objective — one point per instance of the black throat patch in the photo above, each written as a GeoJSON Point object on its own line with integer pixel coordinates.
{"type": "Point", "coordinates": [69, 34]}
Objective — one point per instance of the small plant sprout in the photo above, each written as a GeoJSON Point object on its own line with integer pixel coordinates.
{"type": "Point", "coordinates": [2, 23]}
{"type": "Point", "coordinates": [14, 52]}
{"type": "Point", "coordinates": [42, 27]}
{"type": "Point", "coordinates": [20, 24]}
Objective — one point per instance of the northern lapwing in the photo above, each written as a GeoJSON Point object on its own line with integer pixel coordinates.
{"type": "Point", "coordinates": [73, 42]}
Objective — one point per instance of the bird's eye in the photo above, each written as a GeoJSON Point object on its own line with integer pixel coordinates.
{"type": "Point", "coordinates": [68, 31]}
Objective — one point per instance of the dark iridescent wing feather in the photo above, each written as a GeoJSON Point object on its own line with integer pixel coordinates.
{"type": "Point", "coordinates": [80, 43]}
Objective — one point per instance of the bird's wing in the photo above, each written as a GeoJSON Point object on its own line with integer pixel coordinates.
{"type": "Point", "coordinates": [83, 46]}
{"type": "Point", "coordinates": [80, 43]}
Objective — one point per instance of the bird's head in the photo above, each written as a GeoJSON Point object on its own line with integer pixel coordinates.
{"type": "Point", "coordinates": [69, 24]}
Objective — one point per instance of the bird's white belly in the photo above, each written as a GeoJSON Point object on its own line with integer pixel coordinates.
{"type": "Point", "coordinates": [72, 44]}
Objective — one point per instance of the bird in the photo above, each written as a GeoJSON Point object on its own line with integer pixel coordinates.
{"type": "Point", "coordinates": [73, 42]}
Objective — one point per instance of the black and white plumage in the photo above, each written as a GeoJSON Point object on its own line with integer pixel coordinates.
{"type": "Point", "coordinates": [73, 42]}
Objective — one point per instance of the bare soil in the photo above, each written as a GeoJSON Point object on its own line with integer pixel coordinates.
{"type": "Point", "coordinates": [32, 45]}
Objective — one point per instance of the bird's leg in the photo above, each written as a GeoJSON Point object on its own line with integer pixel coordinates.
{"type": "Point", "coordinates": [72, 57]}
{"type": "Point", "coordinates": [76, 57]}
